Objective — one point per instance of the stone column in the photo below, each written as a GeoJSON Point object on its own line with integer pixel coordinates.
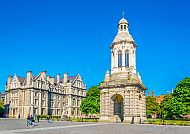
{"type": "Point", "coordinates": [112, 60]}
{"type": "Point", "coordinates": [116, 60]}
{"type": "Point", "coordinates": [126, 106]}
{"type": "Point", "coordinates": [134, 60]}
{"type": "Point", "coordinates": [40, 103]}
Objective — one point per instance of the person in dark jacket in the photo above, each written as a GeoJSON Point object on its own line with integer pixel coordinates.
{"type": "Point", "coordinates": [28, 120]}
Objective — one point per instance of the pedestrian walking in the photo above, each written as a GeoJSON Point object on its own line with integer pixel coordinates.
{"type": "Point", "coordinates": [19, 116]}
{"type": "Point", "coordinates": [28, 120]}
{"type": "Point", "coordinates": [31, 120]}
{"type": "Point", "coordinates": [38, 118]}
{"type": "Point", "coordinates": [48, 118]}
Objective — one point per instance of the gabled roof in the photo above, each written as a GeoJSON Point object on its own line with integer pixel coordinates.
{"type": "Point", "coordinates": [72, 78]}
{"type": "Point", "coordinates": [21, 79]}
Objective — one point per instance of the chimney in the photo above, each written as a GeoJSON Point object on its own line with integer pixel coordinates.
{"type": "Point", "coordinates": [51, 80]}
{"type": "Point", "coordinates": [152, 93]}
{"type": "Point", "coordinates": [148, 93]}
{"type": "Point", "coordinates": [58, 78]}
{"type": "Point", "coordinates": [29, 78]}
{"type": "Point", "coordinates": [48, 78]}
{"type": "Point", "coordinates": [10, 78]}
{"type": "Point", "coordinates": [65, 77]}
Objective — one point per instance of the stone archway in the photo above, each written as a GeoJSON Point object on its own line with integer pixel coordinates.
{"type": "Point", "coordinates": [118, 107]}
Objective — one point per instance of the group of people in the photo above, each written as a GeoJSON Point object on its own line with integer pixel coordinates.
{"type": "Point", "coordinates": [31, 119]}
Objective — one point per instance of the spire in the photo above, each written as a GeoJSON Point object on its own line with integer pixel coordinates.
{"type": "Point", "coordinates": [107, 76]}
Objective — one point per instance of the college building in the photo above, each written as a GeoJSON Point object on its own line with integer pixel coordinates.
{"type": "Point", "coordinates": [44, 95]}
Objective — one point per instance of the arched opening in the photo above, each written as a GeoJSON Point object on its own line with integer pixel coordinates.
{"type": "Point", "coordinates": [118, 106]}
{"type": "Point", "coordinates": [126, 59]}
{"type": "Point", "coordinates": [119, 59]}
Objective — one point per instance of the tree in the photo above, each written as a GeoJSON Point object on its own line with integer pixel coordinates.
{"type": "Point", "coordinates": [91, 104]}
{"type": "Point", "coordinates": [166, 106]}
{"type": "Point", "coordinates": [182, 96]}
{"type": "Point", "coordinates": [2, 108]}
{"type": "Point", "coordinates": [178, 103]}
{"type": "Point", "coordinates": [151, 106]}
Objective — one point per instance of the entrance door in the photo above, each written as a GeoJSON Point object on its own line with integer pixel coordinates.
{"type": "Point", "coordinates": [118, 105]}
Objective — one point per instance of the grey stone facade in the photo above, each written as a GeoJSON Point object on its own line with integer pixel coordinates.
{"type": "Point", "coordinates": [44, 95]}
{"type": "Point", "coordinates": [122, 95]}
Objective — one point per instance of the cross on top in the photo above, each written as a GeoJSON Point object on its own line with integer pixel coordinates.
{"type": "Point", "coordinates": [123, 13]}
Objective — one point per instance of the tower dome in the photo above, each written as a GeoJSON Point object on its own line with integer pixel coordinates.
{"type": "Point", "coordinates": [123, 21]}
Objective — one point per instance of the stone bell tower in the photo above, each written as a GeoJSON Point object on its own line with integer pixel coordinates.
{"type": "Point", "coordinates": [122, 96]}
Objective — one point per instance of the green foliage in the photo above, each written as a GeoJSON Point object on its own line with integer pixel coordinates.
{"type": "Point", "coordinates": [151, 106]}
{"type": "Point", "coordinates": [2, 108]}
{"type": "Point", "coordinates": [91, 104]}
{"type": "Point", "coordinates": [178, 103]}
{"type": "Point", "coordinates": [84, 119]}
{"type": "Point", "coordinates": [52, 117]}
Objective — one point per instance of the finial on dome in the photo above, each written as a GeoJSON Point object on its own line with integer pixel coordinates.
{"type": "Point", "coordinates": [107, 77]}
{"type": "Point", "coordinates": [107, 72]}
{"type": "Point", "coordinates": [123, 13]}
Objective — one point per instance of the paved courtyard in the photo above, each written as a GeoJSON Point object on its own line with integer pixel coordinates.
{"type": "Point", "coordinates": [14, 126]}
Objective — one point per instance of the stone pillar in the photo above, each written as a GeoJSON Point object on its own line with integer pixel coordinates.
{"type": "Point", "coordinates": [69, 105]}
{"type": "Point", "coordinates": [40, 103]}
{"type": "Point", "coordinates": [31, 102]}
{"type": "Point", "coordinates": [112, 59]}
{"type": "Point", "coordinates": [134, 60]}
{"type": "Point", "coordinates": [116, 60]}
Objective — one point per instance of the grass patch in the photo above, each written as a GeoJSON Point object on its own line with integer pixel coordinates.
{"type": "Point", "coordinates": [84, 119]}
{"type": "Point", "coordinates": [168, 122]}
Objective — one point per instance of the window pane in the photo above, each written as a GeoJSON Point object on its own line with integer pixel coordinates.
{"type": "Point", "coordinates": [124, 27]}
{"type": "Point", "coordinates": [121, 27]}
{"type": "Point", "coordinates": [126, 59]}
{"type": "Point", "coordinates": [119, 59]}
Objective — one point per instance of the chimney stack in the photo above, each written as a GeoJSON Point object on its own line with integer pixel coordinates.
{"type": "Point", "coordinates": [152, 93]}
{"type": "Point", "coordinates": [51, 80]}
{"type": "Point", "coordinates": [10, 78]}
{"type": "Point", "coordinates": [148, 93]}
{"type": "Point", "coordinates": [58, 78]}
{"type": "Point", "coordinates": [29, 78]}
{"type": "Point", "coordinates": [65, 77]}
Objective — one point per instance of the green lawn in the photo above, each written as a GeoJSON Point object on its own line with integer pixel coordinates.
{"type": "Point", "coordinates": [168, 122]}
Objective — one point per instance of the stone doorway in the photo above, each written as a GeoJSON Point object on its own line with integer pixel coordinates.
{"type": "Point", "coordinates": [118, 107]}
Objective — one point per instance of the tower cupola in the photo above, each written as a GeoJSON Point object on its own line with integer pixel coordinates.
{"type": "Point", "coordinates": [123, 25]}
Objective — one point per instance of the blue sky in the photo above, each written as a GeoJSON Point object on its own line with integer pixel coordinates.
{"type": "Point", "coordinates": [74, 37]}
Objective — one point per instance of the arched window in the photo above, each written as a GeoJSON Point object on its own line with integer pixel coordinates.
{"type": "Point", "coordinates": [119, 59]}
{"type": "Point", "coordinates": [124, 27]}
{"type": "Point", "coordinates": [126, 59]}
{"type": "Point", "coordinates": [121, 27]}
